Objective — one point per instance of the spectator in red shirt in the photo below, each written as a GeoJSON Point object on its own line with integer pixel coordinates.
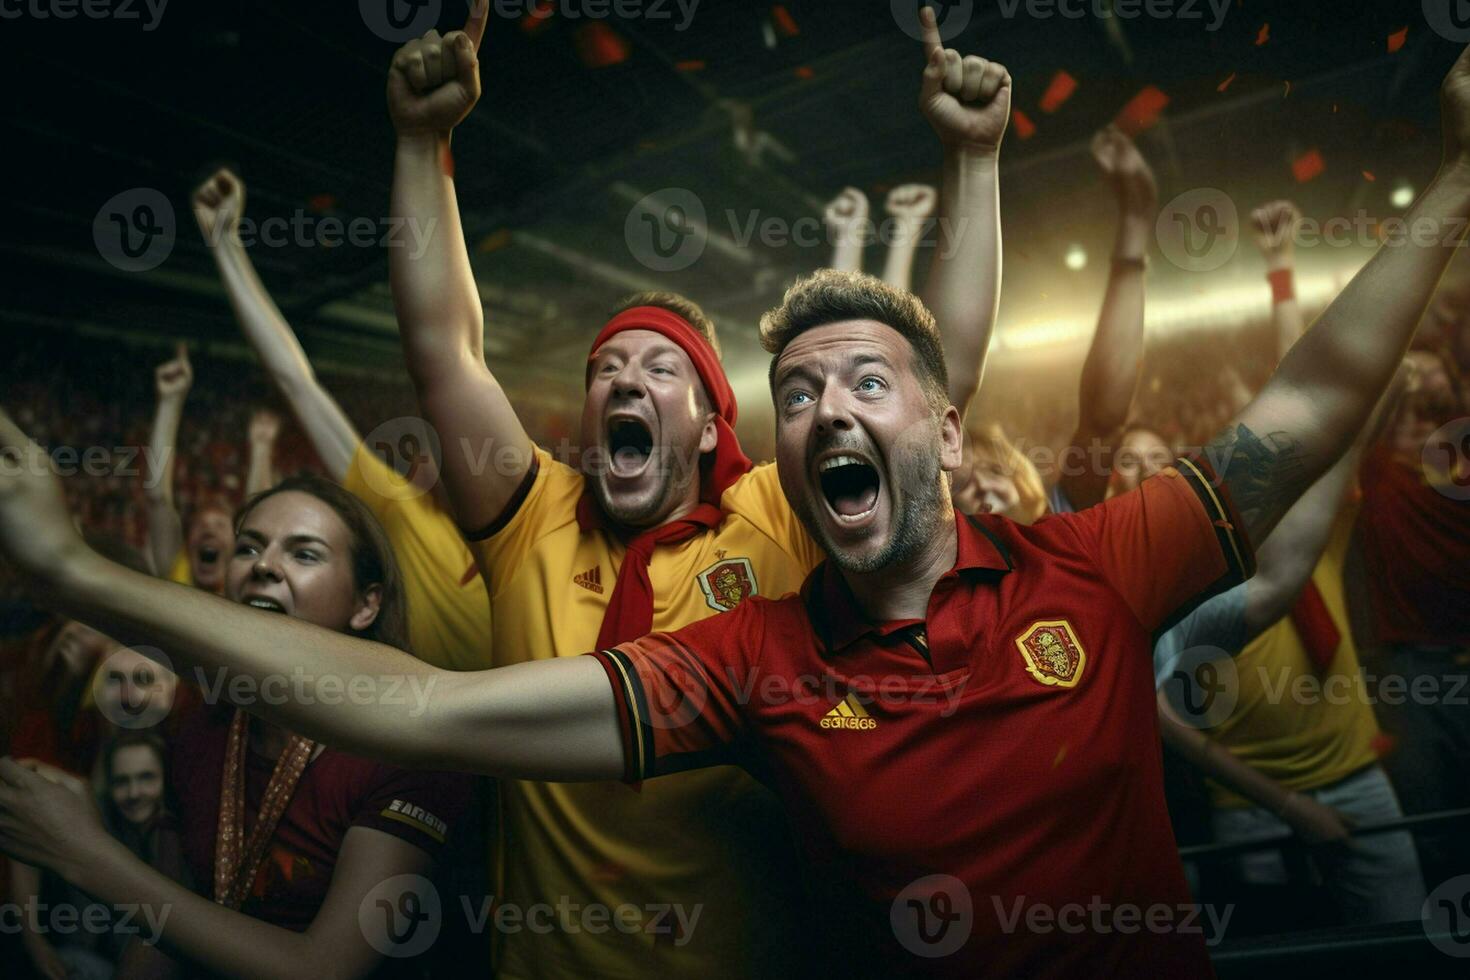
{"type": "Point", "coordinates": [286, 835]}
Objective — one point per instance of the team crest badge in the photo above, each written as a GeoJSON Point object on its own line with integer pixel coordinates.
{"type": "Point", "coordinates": [728, 583]}
{"type": "Point", "coordinates": [1053, 654]}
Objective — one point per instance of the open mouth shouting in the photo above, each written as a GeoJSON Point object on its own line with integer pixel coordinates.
{"type": "Point", "coordinates": [629, 446]}
{"type": "Point", "coordinates": [850, 486]}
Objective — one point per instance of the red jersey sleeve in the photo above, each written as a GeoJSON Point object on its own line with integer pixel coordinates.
{"type": "Point", "coordinates": [418, 807]}
{"type": "Point", "coordinates": [1174, 540]}
{"type": "Point", "coordinates": [680, 696]}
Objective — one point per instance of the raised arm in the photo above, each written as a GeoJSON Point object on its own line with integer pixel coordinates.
{"type": "Point", "coordinates": [51, 825]}
{"type": "Point", "coordinates": [171, 382]}
{"type": "Point", "coordinates": [218, 205]}
{"type": "Point", "coordinates": [1321, 396]}
{"type": "Point", "coordinates": [968, 103]}
{"type": "Point", "coordinates": [550, 719]}
{"type": "Point", "coordinates": [265, 429]}
{"type": "Point", "coordinates": [1110, 373]}
{"type": "Point", "coordinates": [1275, 226]}
{"type": "Point", "coordinates": [432, 85]}
{"type": "Point", "coordinates": [908, 207]}
{"type": "Point", "coordinates": [847, 223]}
{"type": "Point", "coordinates": [1284, 562]}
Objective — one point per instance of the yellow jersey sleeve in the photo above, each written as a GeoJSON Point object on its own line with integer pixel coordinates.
{"type": "Point", "coordinates": [757, 497]}
{"type": "Point", "coordinates": [549, 504]}
{"type": "Point", "coordinates": [180, 571]}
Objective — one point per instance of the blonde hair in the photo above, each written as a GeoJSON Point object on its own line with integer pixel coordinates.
{"type": "Point", "coordinates": [990, 440]}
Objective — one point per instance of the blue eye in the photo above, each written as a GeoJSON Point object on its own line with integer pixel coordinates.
{"type": "Point", "coordinates": [871, 384]}
{"type": "Point", "coordinates": [793, 396]}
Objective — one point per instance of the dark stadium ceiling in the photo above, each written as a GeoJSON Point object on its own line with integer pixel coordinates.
{"type": "Point", "coordinates": [582, 116]}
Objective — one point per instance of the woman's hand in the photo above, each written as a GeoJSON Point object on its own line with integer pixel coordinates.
{"type": "Point", "coordinates": [36, 530]}
{"type": "Point", "coordinates": [47, 821]}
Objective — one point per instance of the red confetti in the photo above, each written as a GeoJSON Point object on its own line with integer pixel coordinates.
{"type": "Point", "coordinates": [599, 46]}
{"type": "Point", "coordinates": [1225, 84]}
{"type": "Point", "coordinates": [1058, 92]}
{"type": "Point", "coordinates": [784, 22]}
{"type": "Point", "coordinates": [536, 19]}
{"type": "Point", "coordinates": [1368, 175]}
{"type": "Point", "coordinates": [694, 64]}
{"type": "Point", "coordinates": [1308, 166]}
{"type": "Point", "coordinates": [1383, 743]}
{"type": "Point", "coordinates": [1142, 111]}
{"type": "Point", "coordinates": [1396, 40]}
{"type": "Point", "coordinates": [321, 202]}
{"type": "Point", "coordinates": [1025, 128]}
{"type": "Point", "coordinates": [805, 72]}
{"type": "Point", "coordinates": [1264, 35]}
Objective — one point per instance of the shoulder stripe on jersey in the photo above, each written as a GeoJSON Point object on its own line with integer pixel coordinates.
{"type": "Point", "coordinates": [1233, 543]}
{"type": "Point", "coordinates": [512, 506]}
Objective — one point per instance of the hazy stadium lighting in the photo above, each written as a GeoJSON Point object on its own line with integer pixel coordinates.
{"type": "Point", "coordinates": [1076, 258]}
{"type": "Point", "coordinates": [1403, 196]}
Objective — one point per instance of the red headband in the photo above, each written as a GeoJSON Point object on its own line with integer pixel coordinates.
{"type": "Point", "coordinates": [729, 462]}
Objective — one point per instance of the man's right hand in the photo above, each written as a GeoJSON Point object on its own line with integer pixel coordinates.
{"type": "Point", "coordinates": [173, 379]}
{"type": "Point", "coordinates": [434, 81]}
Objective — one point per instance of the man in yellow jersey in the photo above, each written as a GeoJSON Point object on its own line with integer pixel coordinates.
{"type": "Point", "coordinates": [449, 619]}
{"type": "Point", "coordinates": [666, 524]}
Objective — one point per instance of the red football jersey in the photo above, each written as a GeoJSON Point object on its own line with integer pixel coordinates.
{"type": "Point", "coordinates": [980, 793]}
{"type": "Point", "coordinates": [1416, 539]}
{"type": "Point", "coordinates": [336, 793]}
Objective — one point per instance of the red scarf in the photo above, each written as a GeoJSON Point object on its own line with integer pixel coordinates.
{"type": "Point", "coordinates": [1313, 621]}
{"type": "Point", "coordinates": [630, 607]}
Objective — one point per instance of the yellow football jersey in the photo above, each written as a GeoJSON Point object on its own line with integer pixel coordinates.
{"type": "Point", "coordinates": [1302, 730]}
{"type": "Point", "coordinates": [448, 617]}
{"type": "Point", "coordinates": [712, 844]}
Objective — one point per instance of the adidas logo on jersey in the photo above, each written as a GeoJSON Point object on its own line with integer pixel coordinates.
{"type": "Point", "coordinates": [849, 713]}
{"type": "Point", "coordinates": [590, 579]}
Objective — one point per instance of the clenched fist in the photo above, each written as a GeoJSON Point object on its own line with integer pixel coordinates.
{"type": "Point", "coordinates": [1126, 171]}
{"type": "Point", "coordinates": [219, 203]}
{"type": "Point", "coordinates": [967, 100]}
{"type": "Point", "coordinates": [1275, 226]}
{"type": "Point", "coordinates": [434, 81]}
{"type": "Point", "coordinates": [911, 203]}
{"type": "Point", "coordinates": [847, 214]}
{"type": "Point", "coordinates": [173, 379]}
{"type": "Point", "coordinates": [265, 426]}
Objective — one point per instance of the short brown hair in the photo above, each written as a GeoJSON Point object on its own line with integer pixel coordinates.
{"type": "Point", "coordinates": [674, 303]}
{"type": "Point", "coordinates": [828, 296]}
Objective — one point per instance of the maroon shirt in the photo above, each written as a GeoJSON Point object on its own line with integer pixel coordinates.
{"type": "Point", "coordinates": [336, 793]}
{"type": "Point", "coordinates": [968, 788]}
{"type": "Point", "coordinates": [1416, 542]}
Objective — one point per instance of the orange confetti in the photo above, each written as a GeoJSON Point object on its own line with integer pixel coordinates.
{"type": "Point", "coordinates": [599, 46]}
{"type": "Point", "coordinates": [1308, 166]}
{"type": "Point", "coordinates": [1058, 92]}
{"type": "Point", "coordinates": [1025, 128]}
{"type": "Point", "coordinates": [784, 22]}
{"type": "Point", "coordinates": [805, 72]}
{"type": "Point", "coordinates": [1396, 40]}
{"type": "Point", "coordinates": [535, 19]}
{"type": "Point", "coordinates": [693, 64]}
{"type": "Point", "coordinates": [1142, 111]}
{"type": "Point", "coordinates": [1225, 84]}
{"type": "Point", "coordinates": [1264, 35]}
{"type": "Point", "coordinates": [321, 202]}
{"type": "Point", "coordinates": [1061, 754]}
{"type": "Point", "coordinates": [1368, 175]}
